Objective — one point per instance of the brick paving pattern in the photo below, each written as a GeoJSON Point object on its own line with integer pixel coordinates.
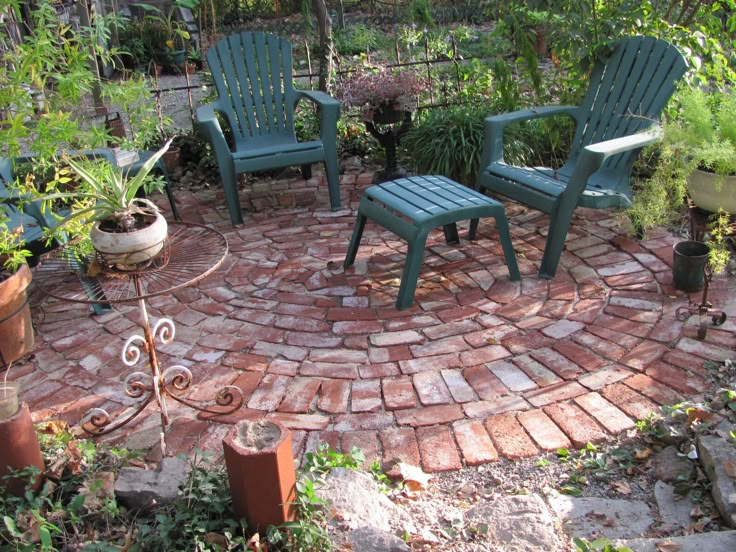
{"type": "Point", "coordinates": [479, 368]}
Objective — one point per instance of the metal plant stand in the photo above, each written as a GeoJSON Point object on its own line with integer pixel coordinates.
{"type": "Point", "coordinates": [190, 253]}
{"type": "Point", "coordinates": [704, 310]}
{"type": "Point", "coordinates": [389, 136]}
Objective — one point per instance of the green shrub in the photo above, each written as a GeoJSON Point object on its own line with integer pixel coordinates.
{"type": "Point", "coordinates": [447, 142]}
{"type": "Point", "coordinates": [356, 39]}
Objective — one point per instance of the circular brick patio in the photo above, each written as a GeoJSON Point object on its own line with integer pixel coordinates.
{"type": "Point", "coordinates": [477, 369]}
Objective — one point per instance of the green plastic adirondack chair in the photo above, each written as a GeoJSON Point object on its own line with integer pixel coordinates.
{"type": "Point", "coordinates": [252, 72]}
{"type": "Point", "coordinates": [627, 92]}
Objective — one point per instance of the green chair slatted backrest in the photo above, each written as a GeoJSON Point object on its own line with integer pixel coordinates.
{"type": "Point", "coordinates": [252, 72]}
{"type": "Point", "coordinates": [627, 92]}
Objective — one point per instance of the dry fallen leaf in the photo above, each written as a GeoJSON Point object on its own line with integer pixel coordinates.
{"type": "Point", "coordinates": [621, 487]}
{"type": "Point", "coordinates": [54, 427]}
{"type": "Point", "coordinates": [667, 546]}
{"type": "Point", "coordinates": [696, 512]}
{"type": "Point", "coordinates": [97, 490]}
{"type": "Point", "coordinates": [415, 480]}
{"type": "Point", "coordinates": [730, 467]}
{"type": "Point", "coordinates": [698, 415]}
{"type": "Point", "coordinates": [75, 457]}
{"type": "Point", "coordinates": [642, 454]}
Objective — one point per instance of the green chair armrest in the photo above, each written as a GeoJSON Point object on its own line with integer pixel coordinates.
{"type": "Point", "coordinates": [493, 127]}
{"type": "Point", "coordinates": [329, 113]}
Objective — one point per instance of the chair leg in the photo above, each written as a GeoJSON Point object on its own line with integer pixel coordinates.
{"type": "Point", "coordinates": [558, 226]}
{"type": "Point", "coordinates": [473, 229]}
{"type": "Point", "coordinates": [451, 236]}
{"type": "Point", "coordinates": [307, 171]}
{"type": "Point", "coordinates": [355, 240]}
{"type": "Point", "coordinates": [502, 225]}
{"type": "Point", "coordinates": [414, 260]}
{"type": "Point", "coordinates": [161, 166]}
{"type": "Point", "coordinates": [230, 184]}
{"type": "Point", "coordinates": [332, 170]}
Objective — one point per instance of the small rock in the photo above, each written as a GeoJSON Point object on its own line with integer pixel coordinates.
{"type": "Point", "coordinates": [674, 509]}
{"type": "Point", "coordinates": [370, 539]}
{"type": "Point", "coordinates": [519, 523]}
{"type": "Point", "coordinates": [670, 466]}
{"type": "Point", "coordinates": [715, 453]}
{"type": "Point", "coordinates": [140, 488]}
{"type": "Point", "coordinates": [591, 517]}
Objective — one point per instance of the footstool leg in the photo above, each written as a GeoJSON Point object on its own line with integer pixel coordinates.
{"type": "Point", "coordinates": [473, 229]}
{"type": "Point", "coordinates": [502, 225]}
{"type": "Point", "coordinates": [355, 240]}
{"type": "Point", "coordinates": [451, 236]}
{"type": "Point", "coordinates": [414, 260]}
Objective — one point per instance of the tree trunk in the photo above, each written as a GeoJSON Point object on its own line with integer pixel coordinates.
{"type": "Point", "coordinates": [326, 58]}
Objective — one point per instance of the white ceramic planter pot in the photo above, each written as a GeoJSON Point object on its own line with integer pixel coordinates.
{"type": "Point", "coordinates": [130, 248]}
{"type": "Point", "coordinates": [710, 191]}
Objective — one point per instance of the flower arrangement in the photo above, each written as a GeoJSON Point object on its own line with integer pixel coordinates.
{"type": "Point", "coordinates": [382, 90]}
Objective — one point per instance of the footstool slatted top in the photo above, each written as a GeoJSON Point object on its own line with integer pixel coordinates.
{"type": "Point", "coordinates": [411, 207]}
{"type": "Point", "coordinates": [434, 199]}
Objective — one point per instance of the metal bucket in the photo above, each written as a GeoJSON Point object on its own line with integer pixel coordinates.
{"type": "Point", "coordinates": [688, 265]}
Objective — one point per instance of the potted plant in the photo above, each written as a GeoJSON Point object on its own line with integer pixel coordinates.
{"type": "Point", "coordinates": [123, 229]}
{"type": "Point", "coordinates": [383, 96]}
{"type": "Point", "coordinates": [166, 34]}
{"type": "Point", "coordinates": [696, 158]}
{"type": "Point", "coordinates": [16, 330]}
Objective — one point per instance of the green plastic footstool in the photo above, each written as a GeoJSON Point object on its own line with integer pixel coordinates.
{"type": "Point", "coordinates": [411, 207]}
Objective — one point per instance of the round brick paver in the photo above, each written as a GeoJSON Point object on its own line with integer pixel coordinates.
{"type": "Point", "coordinates": [479, 368]}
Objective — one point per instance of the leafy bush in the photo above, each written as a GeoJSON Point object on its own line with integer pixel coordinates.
{"type": "Point", "coordinates": [447, 142]}
{"type": "Point", "coordinates": [356, 39]}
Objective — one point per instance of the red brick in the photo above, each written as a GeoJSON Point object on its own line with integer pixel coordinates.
{"type": "Point", "coordinates": [300, 395]}
{"type": "Point", "coordinates": [429, 415]}
{"type": "Point", "coordinates": [357, 327]}
{"type": "Point", "coordinates": [317, 439]}
{"type": "Point", "coordinates": [394, 339]}
{"type": "Point", "coordinates": [529, 341]}
{"type": "Point", "coordinates": [577, 425]}
{"type": "Point", "coordinates": [606, 346]}
{"type": "Point", "coordinates": [366, 441]}
{"type": "Point", "coordinates": [398, 393]}
{"type": "Point", "coordinates": [504, 291]}
{"type": "Point", "coordinates": [399, 445]}
{"type": "Point", "coordinates": [309, 422]}
{"type": "Point", "coordinates": [444, 346]}
{"type": "Point", "coordinates": [366, 396]}
{"type": "Point", "coordinates": [245, 361]}
{"type": "Point", "coordinates": [580, 356]}
{"type": "Point", "coordinates": [431, 388]}
{"type": "Point", "coordinates": [605, 413]}
{"type": "Point", "coordinates": [509, 437]}
{"type": "Point", "coordinates": [667, 330]}
{"type": "Point", "coordinates": [536, 371]}
{"type": "Point", "coordinates": [543, 430]}
{"type": "Point", "coordinates": [586, 310]}
{"type": "Point", "coordinates": [628, 400]}
{"type": "Point", "coordinates": [475, 444]}
{"type": "Point", "coordinates": [437, 448]}
{"type": "Point", "coordinates": [389, 354]}
{"type": "Point", "coordinates": [559, 364]}
{"type": "Point", "coordinates": [653, 389]}
{"type": "Point", "coordinates": [460, 390]}
{"type": "Point", "coordinates": [605, 376]}
{"type": "Point", "coordinates": [643, 355]}
{"type": "Point", "coordinates": [363, 421]}
{"type": "Point", "coordinates": [676, 378]}
{"type": "Point", "coordinates": [439, 362]}
{"type": "Point", "coordinates": [329, 370]}
{"type": "Point", "coordinates": [484, 382]}
{"type": "Point", "coordinates": [629, 321]}
{"type": "Point", "coordinates": [383, 370]}
{"type": "Point", "coordinates": [489, 353]}
{"type": "Point", "coordinates": [269, 393]}
{"type": "Point", "coordinates": [521, 308]}
{"type": "Point", "coordinates": [334, 395]}
{"type": "Point", "coordinates": [554, 393]}
{"type": "Point", "coordinates": [703, 348]}
{"type": "Point", "coordinates": [686, 361]}
{"type": "Point", "coordinates": [482, 409]}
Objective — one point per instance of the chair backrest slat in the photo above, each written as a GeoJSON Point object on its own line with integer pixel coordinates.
{"type": "Point", "coordinates": [252, 73]}
{"type": "Point", "coordinates": [628, 92]}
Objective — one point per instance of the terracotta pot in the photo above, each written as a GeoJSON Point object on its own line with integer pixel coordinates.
{"type": "Point", "coordinates": [710, 191]}
{"type": "Point", "coordinates": [125, 249]}
{"type": "Point", "coordinates": [171, 158]}
{"type": "Point", "coordinates": [20, 449]}
{"type": "Point", "coordinates": [260, 469]}
{"type": "Point", "coordinates": [16, 329]}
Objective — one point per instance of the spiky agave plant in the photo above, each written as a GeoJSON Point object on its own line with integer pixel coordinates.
{"type": "Point", "coordinates": [109, 194]}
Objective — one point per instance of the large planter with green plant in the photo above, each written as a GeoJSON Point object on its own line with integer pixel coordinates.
{"type": "Point", "coordinates": [124, 230]}
{"type": "Point", "coordinates": [16, 330]}
{"type": "Point", "coordinates": [711, 191]}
